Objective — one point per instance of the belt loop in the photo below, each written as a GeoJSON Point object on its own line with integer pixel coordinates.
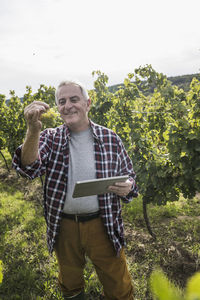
{"type": "Point", "coordinates": [76, 218]}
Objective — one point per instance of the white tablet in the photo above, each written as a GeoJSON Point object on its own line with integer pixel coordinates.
{"type": "Point", "coordinates": [96, 186]}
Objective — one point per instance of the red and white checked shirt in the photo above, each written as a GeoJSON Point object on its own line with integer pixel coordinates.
{"type": "Point", "coordinates": [111, 159]}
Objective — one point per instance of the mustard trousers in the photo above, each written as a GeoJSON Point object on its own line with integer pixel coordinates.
{"type": "Point", "coordinates": [75, 240]}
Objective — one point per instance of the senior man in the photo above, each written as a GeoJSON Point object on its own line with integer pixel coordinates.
{"type": "Point", "coordinates": [93, 226]}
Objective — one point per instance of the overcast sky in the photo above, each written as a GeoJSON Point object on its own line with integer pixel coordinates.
{"type": "Point", "coordinates": [46, 41]}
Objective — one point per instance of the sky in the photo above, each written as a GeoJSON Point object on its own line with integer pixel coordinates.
{"type": "Point", "coordinates": [47, 41]}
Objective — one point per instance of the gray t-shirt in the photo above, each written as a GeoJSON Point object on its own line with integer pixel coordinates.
{"type": "Point", "coordinates": [81, 167]}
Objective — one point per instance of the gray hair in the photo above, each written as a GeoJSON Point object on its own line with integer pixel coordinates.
{"type": "Point", "coordinates": [75, 83]}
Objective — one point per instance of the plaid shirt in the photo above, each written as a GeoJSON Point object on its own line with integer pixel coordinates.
{"type": "Point", "coordinates": [111, 159]}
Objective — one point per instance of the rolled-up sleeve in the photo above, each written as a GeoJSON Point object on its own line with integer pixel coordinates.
{"type": "Point", "coordinates": [38, 167]}
{"type": "Point", "coordinates": [126, 167]}
{"type": "Point", "coordinates": [30, 171]}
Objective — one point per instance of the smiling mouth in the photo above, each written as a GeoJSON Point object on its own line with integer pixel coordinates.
{"type": "Point", "coordinates": [70, 113]}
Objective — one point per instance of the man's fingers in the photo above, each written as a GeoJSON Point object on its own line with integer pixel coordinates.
{"type": "Point", "coordinates": [121, 188]}
{"type": "Point", "coordinates": [41, 103]}
{"type": "Point", "coordinates": [36, 105]}
{"type": "Point", "coordinates": [125, 184]}
{"type": "Point", "coordinates": [32, 114]}
{"type": "Point", "coordinates": [35, 115]}
{"type": "Point", "coordinates": [122, 184]}
{"type": "Point", "coordinates": [34, 110]}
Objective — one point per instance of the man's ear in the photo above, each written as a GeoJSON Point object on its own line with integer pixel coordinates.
{"type": "Point", "coordinates": [89, 103]}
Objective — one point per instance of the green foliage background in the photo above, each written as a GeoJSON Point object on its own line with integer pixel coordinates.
{"type": "Point", "coordinates": [157, 121]}
{"type": "Point", "coordinates": [159, 129]}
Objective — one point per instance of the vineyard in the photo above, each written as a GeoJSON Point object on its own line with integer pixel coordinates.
{"type": "Point", "coordinates": [161, 131]}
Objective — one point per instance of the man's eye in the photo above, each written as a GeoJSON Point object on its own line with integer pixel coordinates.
{"type": "Point", "coordinates": [74, 99]}
{"type": "Point", "coordinates": [62, 102]}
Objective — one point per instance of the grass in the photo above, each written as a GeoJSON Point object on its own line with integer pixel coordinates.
{"type": "Point", "coordinates": [29, 273]}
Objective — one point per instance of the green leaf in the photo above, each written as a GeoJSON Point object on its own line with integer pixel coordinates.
{"type": "Point", "coordinates": [193, 288]}
{"type": "Point", "coordinates": [162, 288]}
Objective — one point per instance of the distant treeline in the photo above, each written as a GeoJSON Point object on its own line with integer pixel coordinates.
{"type": "Point", "coordinates": [182, 82]}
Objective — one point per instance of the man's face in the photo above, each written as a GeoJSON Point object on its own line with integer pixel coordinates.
{"type": "Point", "coordinates": [73, 107]}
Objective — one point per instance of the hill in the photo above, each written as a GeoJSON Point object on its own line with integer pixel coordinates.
{"type": "Point", "coordinates": [182, 82]}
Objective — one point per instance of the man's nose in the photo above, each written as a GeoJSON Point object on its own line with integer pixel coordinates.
{"type": "Point", "coordinates": [68, 104]}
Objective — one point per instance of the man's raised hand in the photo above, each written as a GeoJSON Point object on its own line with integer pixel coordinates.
{"type": "Point", "coordinates": [33, 113]}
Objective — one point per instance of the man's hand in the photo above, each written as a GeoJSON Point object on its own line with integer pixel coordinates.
{"type": "Point", "coordinates": [33, 114]}
{"type": "Point", "coordinates": [121, 188]}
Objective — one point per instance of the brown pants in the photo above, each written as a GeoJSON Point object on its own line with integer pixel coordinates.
{"type": "Point", "coordinates": [90, 238]}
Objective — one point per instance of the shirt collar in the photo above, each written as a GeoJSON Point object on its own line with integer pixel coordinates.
{"type": "Point", "coordinates": [95, 131]}
{"type": "Point", "coordinates": [94, 127]}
